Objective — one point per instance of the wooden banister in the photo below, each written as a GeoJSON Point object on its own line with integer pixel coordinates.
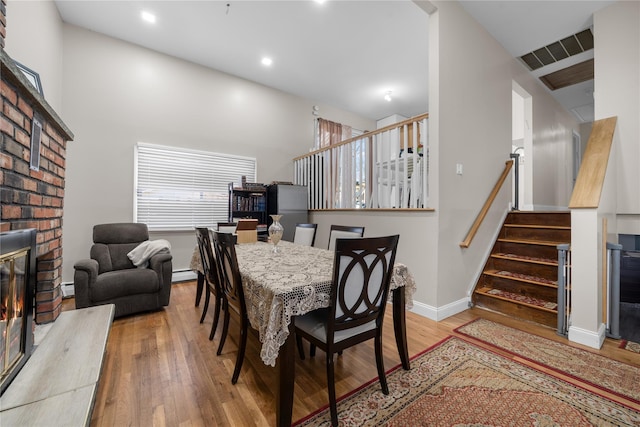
{"type": "Point", "coordinates": [366, 135]}
{"type": "Point", "coordinates": [483, 212]}
{"type": "Point", "coordinates": [588, 188]}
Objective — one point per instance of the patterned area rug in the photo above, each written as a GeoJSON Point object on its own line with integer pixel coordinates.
{"type": "Point", "coordinates": [630, 345]}
{"type": "Point", "coordinates": [599, 371]}
{"type": "Point", "coordinates": [456, 383]}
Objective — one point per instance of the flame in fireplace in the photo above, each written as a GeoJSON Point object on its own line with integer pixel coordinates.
{"type": "Point", "coordinates": [12, 298]}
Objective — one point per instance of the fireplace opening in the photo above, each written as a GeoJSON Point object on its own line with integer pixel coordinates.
{"type": "Point", "coordinates": [17, 282]}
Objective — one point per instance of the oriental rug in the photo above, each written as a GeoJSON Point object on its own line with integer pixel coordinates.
{"type": "Point", "coordinates": [607, 374]}
{"type": "Point", "coordinates": [630, 345]}
{"type": "Point", "coordinates": [456, 383]}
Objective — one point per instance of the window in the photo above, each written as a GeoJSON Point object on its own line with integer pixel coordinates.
{"type": "Point", "coordinates": [179, 189]}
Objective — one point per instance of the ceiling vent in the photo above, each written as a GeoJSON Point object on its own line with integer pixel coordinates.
{"type": "Point", "coordinates": [569, 46]}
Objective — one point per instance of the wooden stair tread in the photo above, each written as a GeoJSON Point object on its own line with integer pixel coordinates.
{"type": "Point", "coordinates": [532, 242]}
{"type": "Point", "coordinates": [535, 303]}
{"type": "Point", "coordinates": [521, 278]}
{"type": "Point", "coordinates": [522, 258]}
{"type": "Point", "coordinates": [537, 226]}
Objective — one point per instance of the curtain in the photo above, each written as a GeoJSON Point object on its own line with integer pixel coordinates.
{"type": "Point", "coordinates": [330, 133]}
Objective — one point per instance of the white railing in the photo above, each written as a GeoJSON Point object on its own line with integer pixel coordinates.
{"type": "Point", "coordinates": [385, 168]}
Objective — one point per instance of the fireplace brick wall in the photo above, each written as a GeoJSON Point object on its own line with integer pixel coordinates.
{"type": "Point", "coordinates": [32, 198]}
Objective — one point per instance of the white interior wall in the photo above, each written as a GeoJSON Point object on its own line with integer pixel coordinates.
{"type": "Point", "coordinates": [476, 133]}
{"type": "Point", "coordinates": [551, 156]}
{"type": "Point", "coordinates": [617, 92]}
{"type": "Point", "coordinates": [34, 38]}
{"type": "Point", "coordinates": [116, 94]}
{"type": "Point", "coordinates": [521, 144]}
{"type": "Point", "coordinates": [517, 113]}
{"type": "Point", "coordinates": [617, 70]}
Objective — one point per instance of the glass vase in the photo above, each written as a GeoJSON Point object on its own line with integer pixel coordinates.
{"type": "Point", "coordinates": [275, 231]}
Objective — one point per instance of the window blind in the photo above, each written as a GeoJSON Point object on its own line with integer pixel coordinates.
{"type": "Point", "coordinates": [179, 189]}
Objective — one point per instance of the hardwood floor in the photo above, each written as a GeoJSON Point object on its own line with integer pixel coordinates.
{"type": "Point", "coordinates": [162, 370]}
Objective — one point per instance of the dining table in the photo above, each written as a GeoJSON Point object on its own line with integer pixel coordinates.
{"type": "Point", "coordinates": [290, 281]}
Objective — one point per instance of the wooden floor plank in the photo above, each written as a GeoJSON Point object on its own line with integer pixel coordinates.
{"type": "Point", "coordinates": [161, 368]}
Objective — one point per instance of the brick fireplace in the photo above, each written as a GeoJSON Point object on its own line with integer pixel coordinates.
{"type": "Point", "coordinates": [32, 198]}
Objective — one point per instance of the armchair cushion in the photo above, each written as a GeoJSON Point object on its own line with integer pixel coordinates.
{"type": "Point", "coordinates": [120, 283]}
{"type": "Point", "coordinates": [113, 256]}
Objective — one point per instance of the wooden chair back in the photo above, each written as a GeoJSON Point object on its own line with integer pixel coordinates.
{"type": "Point", "coordinates": [361, 278]}
{"type": "Point", "coordinates": [209, 265]}
{"type": "Point", "coordinates": [343, 232]}
{"type": "Point", "coordinates": [230, 280]}
{"type": "Point", "coordinates": [305, 234]}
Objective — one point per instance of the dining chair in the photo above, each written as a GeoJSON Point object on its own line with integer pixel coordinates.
{"type": "Point", "coordinates": [211, 276]}
{"type": "Point", "coordinates": [305, 234]}
{"type": "Point", "coordinates": [227, 227]}
{"type": "Point", "coordinates": [343, 232]}
{"type": "Point", "coordinates": [233, 294]}
{"type": "Point", "coordinates": [361, 277]}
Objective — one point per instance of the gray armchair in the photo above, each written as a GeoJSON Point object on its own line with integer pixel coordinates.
{"type": "Point", "coordinates": [110, 277]}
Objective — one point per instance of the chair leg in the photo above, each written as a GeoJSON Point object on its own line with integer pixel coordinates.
{"type": "Point", "coordinates": [243, 347]}
{"type": "Point", "coordinates": [312, 350]}
{"type": "Point", "coordinates": [199, 288]}
{"type": "Point", "coordinates": [331, 386]}
{"type": "Point", "coordinates": [225, 327]}
{"type": "Point", "coordinates": [380, 363]}
{"type": "Point", "coordinates": [216, 317]}
{"type": "Point", "coordinates": [300, 347]}
{"type": "Point", "coordinates": [206, 305]}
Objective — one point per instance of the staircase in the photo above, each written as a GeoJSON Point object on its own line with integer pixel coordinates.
{"type": "Point", "coordinates": [520, 276]}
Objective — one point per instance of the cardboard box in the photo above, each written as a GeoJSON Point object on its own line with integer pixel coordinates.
{"type": "Point", "coordinates": [247, 231]}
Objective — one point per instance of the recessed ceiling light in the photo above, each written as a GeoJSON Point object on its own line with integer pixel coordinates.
{"type": "Point", "coordinates": [319, 1]}
{"type": "Point", "coordinates": [267, 61]}
{"type": "Point", "coordinates": [387, 96]}
{"type": "Point", "coordinates": [148, 16]}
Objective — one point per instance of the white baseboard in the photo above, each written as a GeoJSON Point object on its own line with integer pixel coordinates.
{"type": "Point", "coordinates": [183, 276]}
{"type": "Point", "coordinates": [589, 338]}
{"type": "Point", "coordinates": [440, 313]}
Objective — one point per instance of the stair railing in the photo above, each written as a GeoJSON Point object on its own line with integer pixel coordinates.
{"type": "Point", "coordinates": [485, 209]}
{"type": "Point", "coordinates": [516, 180]}
{"type": "Point", "coordinates": [564, 289]}
{"type": "Point", "coordinates": [383, 169]}
{"type": "Point", "coordinates": [613, 290]}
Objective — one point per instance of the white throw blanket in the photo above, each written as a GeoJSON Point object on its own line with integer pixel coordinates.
{"type": "Point", "coordinates": [140, 255]}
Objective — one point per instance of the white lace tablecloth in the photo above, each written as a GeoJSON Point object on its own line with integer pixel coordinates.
{"type": "Point", "coordinates": [292, 282]}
